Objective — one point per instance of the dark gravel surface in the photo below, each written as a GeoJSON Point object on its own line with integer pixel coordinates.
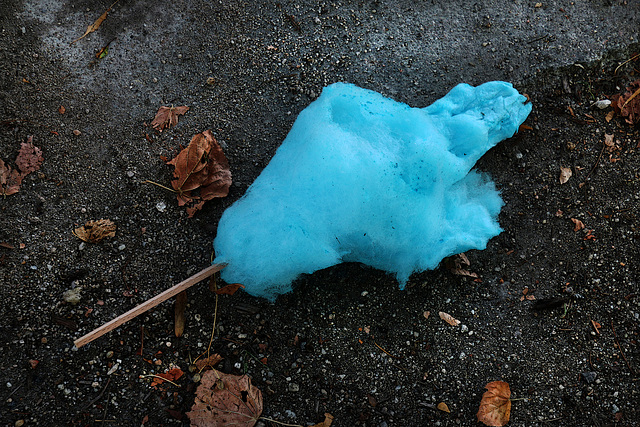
{"type": "Point", "coordinates": [246, 70]}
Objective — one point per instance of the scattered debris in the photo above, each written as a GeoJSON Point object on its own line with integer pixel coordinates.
{"type": "Point", "coordinates": [602, 103]}
{"type": "Point", "coordinates": [449, 319]}
{"type": "Point", "coordinates": [96, 231]}
{"type": "Point", "coordinates": [578, 224]}
{"type": "Point", "coordinates": [167, 117]}
{"type": "Point", "coordinates": [495, 407]}
{"type": "Point", "coordinates": [526, 295]}
{"type": "Point", "coordinates": [224, 400]}
{"type": "Point", "coordinates": [93, 27]}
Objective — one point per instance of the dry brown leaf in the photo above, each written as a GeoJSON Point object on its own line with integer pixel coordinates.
{"type": "Point", "coordinates": [10, 179]}
{"type": "Point", "coordinates": [495, 407]}
{"type": "Point", "coordinates": [61, 109]}
{"type": "Point", "coordinates": [179, 308]}
{"type": "Point", "coordinates": [96, 231]}
{"type": "Point", "coordinates": [610, 115]}
{"type": "Point", "coordinates": [229, 289]}
{"type": "Point", "coordinates": [426, 314]}
{"type": "Point", "coordinates": [225, 400]}
{"type": "Point", "coordinates": [565, 174]}
{"type": "Point", "coordinates": [328, 420]}
{"type": "Point", "coordinates": [457, 263]}
{"type": "Point", "coordinates": [29, 157]}
{"type": "Point", "coordinates": [167, 117]}
{"type": "Point", "coordinates": [28, 160]}
{"type": "Point", "coordinates": [449, 319]}
{"type": "Point", "coordinates": [201, 166]}
{"type": "Point", "coordinates": [93, 27]}
{"type": "Point", "coordinates": [608, 140]}
{"type": "Point", "coordinates": [209, 362]}
{"type": "Point", "coordinates": [443, 407]}
{"type": "Point", "coordinates": [578, 224]}
{"type": "Point", "coordinates": [628, 103]}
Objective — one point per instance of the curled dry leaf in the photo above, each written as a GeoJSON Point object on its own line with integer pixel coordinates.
{"type": "Point", "coordinates": [93, 27]}
{"type": "Point", "coordinates": [457, 265]}
{"type": "Point", "coordinates": [229, 289]}
{"type": "Point", "coordinates": [578, 224]}
{"type": "Point", "coordinates": [225, 400]}
{"type": "Point", "coordinates": [449, 319]}
{"type": "Point", "coordinates": [628, 103]}
{"type": "Point", "coordinates": [565, 174]}
{"type": "Point", "coordinates": [495, 406]}
{"type": "Point", "coordinates": [201, 166]}
{"type": "Point", "coordinates": [167, 117]}
{"type": "Point", "coordinates": [96, 231]}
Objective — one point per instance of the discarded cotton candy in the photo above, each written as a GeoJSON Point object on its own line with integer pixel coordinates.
{"type": "Point", "coordinates": [364, 178]}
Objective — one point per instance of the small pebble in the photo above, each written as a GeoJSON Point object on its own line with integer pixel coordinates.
{"type": "Point", "coordinates": [77, 132]}
{"type": "Point", "coordinates": [294, 388]}
{"type": "Point", "coordinates": [161, 206]}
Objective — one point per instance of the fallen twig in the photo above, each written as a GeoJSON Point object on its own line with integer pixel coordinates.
{"type": "Point", "coordinates": [620, 348]}
{"type": "Point", "coordinates": [147, 305]}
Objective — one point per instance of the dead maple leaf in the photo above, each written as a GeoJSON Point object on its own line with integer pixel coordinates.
{"type": "Point", "coordinates": [167, 117]}
{"type": "Point", "coordinates": [93, 27]}
{"type": "Point", "coordinates": [28, 160]}
{"type": "Point", "coordinates": [495, 406]}
{"type": "Point", "coordinates": [628, 103]}
{"type": "Point", "coordinates": [201, 166]}
{"type": "Point", "coordinates": [565, 174]}
{"type": "Point", "coordinates": [209, 362]}
{"type": "Point", "coordinates": [171, 375]}
{"type": "Point", "coordinates": [96, 231]}
{"type": "Point", "coordinates": [449, 318]}
{"type": "Point", "coordinates": [229, 289]}
{"type": "Point", "coordinates": [29, 157]}
{"type": "Point", "coordinates": [578, 224]}
{"type": "Point", "coordinates": [225, 400]}
{"type": "Point", "coordinates": [10, 179]}
{"type": "Point", "coordinates": [328, 420]}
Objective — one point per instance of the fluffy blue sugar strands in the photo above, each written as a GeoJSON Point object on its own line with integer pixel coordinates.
{"type": "Point", "coordinates": [364, 178]}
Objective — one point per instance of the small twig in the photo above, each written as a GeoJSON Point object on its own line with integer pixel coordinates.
{"type": "Point", "coordinates": [620, 348]}
{"type": "Point", "coordinates": [626, 62]}
{"type": "Point", "coordinates": [104, 414]}
{"type": "Point", "coordinates": [596, 165]}
{"type": "Point", "coordinates": [386, 352]}
{"type": "Point", "coordinates": [148, 305]}
{"type": "Point", "coordinates": [97, 397]}
{"type": "Point", "coordinates": [278, 422]}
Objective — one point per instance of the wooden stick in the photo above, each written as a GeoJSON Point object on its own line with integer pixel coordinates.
{"type": "Point", "coordinates": [147, 305]}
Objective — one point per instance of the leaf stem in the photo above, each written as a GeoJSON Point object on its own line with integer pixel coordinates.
{"type": "Point", "coordinates": [159, 185]}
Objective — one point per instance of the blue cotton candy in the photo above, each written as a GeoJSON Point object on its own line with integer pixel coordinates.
{"type": "Point", "coordinates": [364, 178]}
